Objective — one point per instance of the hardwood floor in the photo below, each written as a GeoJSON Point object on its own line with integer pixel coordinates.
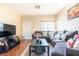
{"type": "Point", "coordinates": [18, 50]}
{"type": "Point", "coordinates": [23, 50]}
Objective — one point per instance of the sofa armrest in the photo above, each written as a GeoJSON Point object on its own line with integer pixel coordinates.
{"type": "Point", "coordinates": [72, 52]}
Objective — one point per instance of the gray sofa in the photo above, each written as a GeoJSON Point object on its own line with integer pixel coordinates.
{"type": "Point", "coordinates": [60, 48]}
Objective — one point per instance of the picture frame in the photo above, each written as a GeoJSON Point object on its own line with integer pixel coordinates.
{"type": "Point", "coordinates": [73, 12]}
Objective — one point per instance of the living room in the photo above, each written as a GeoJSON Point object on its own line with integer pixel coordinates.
{"type": "Point", "coordinates": [45, 18]}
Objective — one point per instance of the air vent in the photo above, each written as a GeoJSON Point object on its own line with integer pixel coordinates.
{"type": "Point", "coordinates": [37, 7]}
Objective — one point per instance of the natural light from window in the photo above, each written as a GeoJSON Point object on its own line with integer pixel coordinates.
{"type": "Point", "coordinates": [47, 26]}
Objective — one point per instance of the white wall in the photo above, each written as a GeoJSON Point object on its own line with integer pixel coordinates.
{"type": "Point", "coordinates": [64, 24]}
{"type": "Point", "coordinates": [9, 16]}
{"type": "Point", "coordinates": [62, 20]}
{"type": "Point", "coordinates": [36, 19]}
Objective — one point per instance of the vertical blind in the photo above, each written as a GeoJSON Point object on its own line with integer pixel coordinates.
{"type": "Point", "coordinates": [47, 26]}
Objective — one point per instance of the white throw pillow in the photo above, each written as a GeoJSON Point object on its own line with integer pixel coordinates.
{"type": "Point", "coordinates": [76, 45]}
{"type": "Point", "coordinates": [44, 33]}
{"type": "Point", "coordinates": [57, 36]}
{"type": "Point", "coordinates": [63, 37]}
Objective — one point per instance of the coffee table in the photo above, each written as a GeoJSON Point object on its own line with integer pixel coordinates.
{"type": "Point", "coordinates": [34, 44]}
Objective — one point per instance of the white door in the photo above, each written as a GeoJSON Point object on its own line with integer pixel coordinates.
{"type": "Point", "coordinates": [26, 30]}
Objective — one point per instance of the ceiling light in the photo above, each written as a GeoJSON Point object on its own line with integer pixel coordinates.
{"type": "Point", "coordinates": [37, 7]}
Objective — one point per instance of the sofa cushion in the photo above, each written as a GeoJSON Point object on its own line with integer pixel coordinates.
{"type": "Point", "coordinates": [59, 49]}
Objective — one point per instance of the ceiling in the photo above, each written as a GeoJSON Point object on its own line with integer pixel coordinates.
{"type": "Point", "coordinates": [29, 9]}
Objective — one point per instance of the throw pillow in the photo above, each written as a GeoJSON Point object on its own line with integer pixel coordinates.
{"type": "Point", "coordinates": [77, 36]}
{"type": "Point", "coordinates": [57, 36]}
{"type": "Point", "coordinates": [76, 45]}
{"type": "Point", "coordinates": [70, 43]}
{"type": "Point", "coordinates": [44, 33]}
{"type": "Point", "coordinates": [63, 37]}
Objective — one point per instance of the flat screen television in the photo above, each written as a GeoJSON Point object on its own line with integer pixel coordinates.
{"type": "Point", "coordinates": [7, 30]}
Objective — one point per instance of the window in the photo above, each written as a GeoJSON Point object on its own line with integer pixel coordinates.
{"type": "Point", "coordinates": [47, 26]}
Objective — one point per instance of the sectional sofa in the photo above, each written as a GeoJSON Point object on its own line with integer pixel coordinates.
{"type": "Point", "coordinates": [60, 46]}
{"type": "Point", "coordinates": [59, 39]}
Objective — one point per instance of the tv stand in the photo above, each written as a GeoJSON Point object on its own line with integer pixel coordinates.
{"type": "Point", "coordinates": [8, 43]}
{"type": "Point", "coordinates": [19, 49]}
